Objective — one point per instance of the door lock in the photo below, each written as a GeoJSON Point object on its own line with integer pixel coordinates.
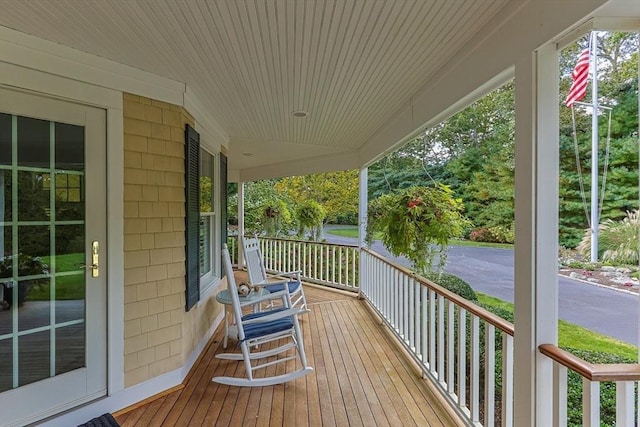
{"type": "Point", "coordinates": [94, 266]}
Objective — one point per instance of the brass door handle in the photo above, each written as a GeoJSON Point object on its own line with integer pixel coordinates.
{"type": "Point", "coordinates": [95, 267]}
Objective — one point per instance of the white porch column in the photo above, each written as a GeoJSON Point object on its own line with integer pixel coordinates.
{"type": "Point", "coordinates": [240, 221]}
{"type": "Point", "coordinates": [536, 246]}
{"type": "Point", "coordinates": [363, 200]}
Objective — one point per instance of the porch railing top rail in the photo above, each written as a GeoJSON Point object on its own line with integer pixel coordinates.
{"type": "Point", "coordinates": [284, 239]}
{"type": "Point", "coordinates": [487, 316]}
{"type": "Point", "coordinates": [592, 371]}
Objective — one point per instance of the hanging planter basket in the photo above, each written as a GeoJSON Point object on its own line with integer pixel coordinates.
{"type": "Point", "coordinates": [418, 223]}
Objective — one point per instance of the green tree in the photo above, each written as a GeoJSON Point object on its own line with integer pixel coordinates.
{"type": "Point", "coordinates": [336, 192]}
{"type": "Point", "coordinates": [617, 81]}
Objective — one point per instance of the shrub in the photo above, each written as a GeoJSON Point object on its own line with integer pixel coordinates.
{"type": "Point", "coordinates": [481, 235]}
{"type": "Point", "coordinates": [502, 234]}
{"type": "Point", "coordinates": [617, 242]}
{"type": "Point", "coordinates": [496, 234]}
{"type": "Point", "coordinates": [453, 284]}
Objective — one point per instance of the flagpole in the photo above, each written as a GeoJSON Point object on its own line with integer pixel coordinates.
{"type": "Point", "coordinates": [594, 148]}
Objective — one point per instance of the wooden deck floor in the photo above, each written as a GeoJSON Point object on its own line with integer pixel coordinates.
{"type": "Point", "coordinates": [361, 379]}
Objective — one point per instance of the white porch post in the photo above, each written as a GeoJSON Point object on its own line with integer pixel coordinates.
{"type": "Point", "coordinates": [536, 247]}
{"type": "Point", "coordinates": [363, 198]}
{"type": "Point", "coordinates": [240, 221]}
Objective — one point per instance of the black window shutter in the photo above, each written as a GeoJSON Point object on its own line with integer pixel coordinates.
{"type": "Point", "coordinates": [223, 198]}
{"type": "Point", "coordinates": [192, 215]}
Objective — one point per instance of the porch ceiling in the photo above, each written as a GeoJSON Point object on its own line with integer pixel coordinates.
{"type": "Point", "coordinates": [352, 65]}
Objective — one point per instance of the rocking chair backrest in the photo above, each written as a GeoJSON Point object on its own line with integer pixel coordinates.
{"type": "Point", "coordinates": [255, 263]}
{"type": "Point", "coordinates": [233, 289]}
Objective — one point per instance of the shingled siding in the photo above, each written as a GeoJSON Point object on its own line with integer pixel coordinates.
{"type": "Point", "coordinates": [158, 334]}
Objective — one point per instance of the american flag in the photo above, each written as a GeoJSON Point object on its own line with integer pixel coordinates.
{"type": "Point", "coordinates": [580, 74]}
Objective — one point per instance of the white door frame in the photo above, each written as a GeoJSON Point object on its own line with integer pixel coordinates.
{"type": "Point", "coordinates": [81, 385]}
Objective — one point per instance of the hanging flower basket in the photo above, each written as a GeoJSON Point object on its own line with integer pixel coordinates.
{"type": "Point", "coordinates": [418, 223]}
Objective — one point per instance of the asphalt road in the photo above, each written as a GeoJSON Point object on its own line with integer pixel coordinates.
{"type": "Point", "coordinates": [490, 271]}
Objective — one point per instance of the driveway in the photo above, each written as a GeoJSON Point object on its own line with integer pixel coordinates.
{"type": "Point", "coordinates": [490, 271]}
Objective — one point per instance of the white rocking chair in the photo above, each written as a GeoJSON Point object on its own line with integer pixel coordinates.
{"type": "Point", "coordinates": [254, 329]}
{"type": "Point", "coordinates": [258, 274]}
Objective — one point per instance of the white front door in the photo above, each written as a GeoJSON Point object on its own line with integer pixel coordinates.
{"type": "Point", "coordinates": [53, 348]}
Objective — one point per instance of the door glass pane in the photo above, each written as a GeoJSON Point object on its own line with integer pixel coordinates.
{"type": "Point", "coordinates": [33, 304]}
{"type": "Point", "coordinates": [33, 196]}
{"type": "Point", "coordinates": [34, 362]}
{"type": "Point", "coordinates": [69, 147]}
{"type": "Point", "coordinates": [69, 348]}
{"type": "Point", "coordinates": [6, 367]}
{"type": "Point", "coordinates": [5, 139]}
{"type": "Point", "coordinates": [33, 142]}
{"type": "Point", "coordinates": [42, 250]}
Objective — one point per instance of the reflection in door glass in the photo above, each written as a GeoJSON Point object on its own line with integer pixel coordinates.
{"type": "Point", "coordinates": [6, 355]}
{"type": "Point", "coordinates": [42, 242]}
{"type": "Point", "coordinates": [33, 142]}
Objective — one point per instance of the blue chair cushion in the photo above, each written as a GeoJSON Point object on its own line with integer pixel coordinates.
{"type": "Point", "coordinates": [294, 286]}
{"type": "Point", "coordinates": [256, 330]}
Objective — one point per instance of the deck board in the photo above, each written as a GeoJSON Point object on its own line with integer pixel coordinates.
{"type": "Point", "coordinates": [361, 378]}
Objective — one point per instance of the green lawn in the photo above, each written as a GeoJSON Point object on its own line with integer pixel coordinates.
{"type": "Point", "coordinates": [68, 287]}
{"type": "Point", "coordinates": [352, 231]}
{"type": "Point", "coordinates": [574, 336]}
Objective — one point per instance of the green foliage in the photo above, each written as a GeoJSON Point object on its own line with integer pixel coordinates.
{"type": "Point", "coordinates": [497, 234]}
{"type": "Point", "coordinates": [276, 218]}
{"type": "Point", "coordinates": [417, 222]}
{"type": "Point", "coordinates": [27, 266]}
{"type": "Point", "coordinates": [310, 216]}
{"type": "Point", "coordinates": [617, 88]}
{"type": "Point", "coordinates": [618, 240]}
{"type": "Point", "coordinates": [336, 192]}
{"type": "Point", "coordinates": [453, 283]}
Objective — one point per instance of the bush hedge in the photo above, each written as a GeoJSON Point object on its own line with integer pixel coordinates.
{"type": "Point", "coordinates": [454, 284]}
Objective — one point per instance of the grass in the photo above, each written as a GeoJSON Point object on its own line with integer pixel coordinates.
{"type": "Point", "coordinates": [68, 287]}
{"type": "Point", "coordinates": [574, 336]}
{"type": "Point", "coordinates": [352, 231]}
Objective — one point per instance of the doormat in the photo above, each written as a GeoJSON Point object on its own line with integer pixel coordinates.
{"type": "Point", "coordinates": [105, 420]}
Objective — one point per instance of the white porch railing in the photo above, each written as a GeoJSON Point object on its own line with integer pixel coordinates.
{"type": "Point", "coordinates": [444, 333]}
{"type": "Point", "coordinates": [625, 377]}
{"type": "Point", "coordinates": [325, 264]}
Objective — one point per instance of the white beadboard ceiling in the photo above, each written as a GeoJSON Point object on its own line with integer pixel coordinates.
{"type": "Point", "coordinates": [350, 64]}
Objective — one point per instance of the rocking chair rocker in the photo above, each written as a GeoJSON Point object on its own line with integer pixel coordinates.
{"type": "Point", "coordinates": [258, 274]}
{"type": "Point", "coordinates": [255, 329]}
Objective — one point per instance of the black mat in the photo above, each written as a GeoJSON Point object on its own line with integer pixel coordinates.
{"type": "Point", "coordinates": [105, 420]}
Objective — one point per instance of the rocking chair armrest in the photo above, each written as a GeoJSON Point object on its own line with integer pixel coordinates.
{"type": "Point", "coordinates": [290, 274]}
{"type": "Point", "coordinates": [278, 314]}
{"type": "Point", "coordinates": [266, 297]}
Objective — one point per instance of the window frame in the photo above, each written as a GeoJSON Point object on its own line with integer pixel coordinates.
{"type": "Point", "coordinates": [209, 278]}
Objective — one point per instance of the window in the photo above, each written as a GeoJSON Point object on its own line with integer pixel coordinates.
{"type": "Point", "coordinates": [207, 220]}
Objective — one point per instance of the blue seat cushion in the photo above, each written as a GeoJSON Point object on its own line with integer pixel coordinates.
{"type": "Point", "coordinates": [256, 330]}
{"type": "Point", "coordinates": [294, 286]}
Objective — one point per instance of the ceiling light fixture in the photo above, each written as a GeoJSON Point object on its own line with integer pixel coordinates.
{"type": "Point", "coordinates": [300, 113]}
{"type": "Point", "coordinates": [247, 154]}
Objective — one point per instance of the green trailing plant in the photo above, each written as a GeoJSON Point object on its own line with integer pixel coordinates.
{"type": "Point", "coordinates": [618, 240]}
{"type": "Point", "coordinates": [417, 222]}
{"type": "Point", "coordinates": [275, 217]}
{"type": "Point", "coordinates": [310, 215]}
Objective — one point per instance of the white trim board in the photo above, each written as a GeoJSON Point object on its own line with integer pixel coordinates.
{"type": "Point", "coordinates": [38, 54]}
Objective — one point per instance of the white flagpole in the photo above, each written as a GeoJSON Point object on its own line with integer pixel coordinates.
{"type": "Point", "coordinates": [594, 147]}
